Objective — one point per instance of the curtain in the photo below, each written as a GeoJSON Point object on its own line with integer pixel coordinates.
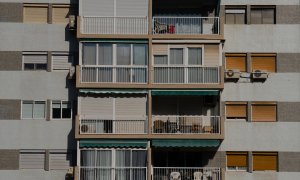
{"type": "Point", "coordinates": [89, 54]}
{"type": "Point", "coordinates": [140, 54]}
{"type": "Point", "coordinates": [160, 59]}
{"type": "Point", "coordinates": [195, 56]}
{"type": "Point", "coordinates": [176, 56]}
{"type": "Point", "coordinates": [123, 54]}
{"type": "Point", "coordinates": [139, 159]}
{"type": "Point", "coordinates": [123, 164]}
{"type": "Point", "coordinates": [105, 54]}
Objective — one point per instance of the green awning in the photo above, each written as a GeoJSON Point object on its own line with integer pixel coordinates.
{"type": "Point", "coordinates": [185, 143]}
{"type": "Point", "coordinates": [107, 143]}
{"type": "Point", "coordinates": [112, 91]}
{"type": "Point", "coordinates": [182, 93]}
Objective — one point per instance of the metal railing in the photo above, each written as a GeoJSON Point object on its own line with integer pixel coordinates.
{"type": "Point", "coordinates": [186, 124]}
{"type": "Point", "coordinates": [186, 25]}
{"type": "Point", "coordinates": [108, 173]}
{"type": "Point", "coordinates": [186, 75]}
{"type": "Point", "coordinates": [114, 25]}
{"type": "Point", "coordinates": [113, 74]}
{"type": "Point", "coordinates": [101, 126]}
{"type": "Point", "coordinates": [186, 173]}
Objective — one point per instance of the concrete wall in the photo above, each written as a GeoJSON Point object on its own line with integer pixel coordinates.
{"type": "Point", "coordinates": [10, 109]}
{"type": "Point", "coordinates": [287, 14]}
{"type": "Point", "coordinates": [11, 12]}
{"type": "Point", "coordinates": [34, 174]}
{"type": "Point", "coordinates": [10, 60]}
{"type": "Point", "coordinates": [41, 1]}
{"type": "Point", "coordinates": [260, 2]}
{"type": "Point", "coordinates": [9, 159]}
{"type": "Point", "coordinates": [288, 62]}
{"type": "Point", "coordinates": [289, 161]}
{"type": "Point", "coordinates": [288, 112]}
{"type": "Point", "coordinates": [264, 175]}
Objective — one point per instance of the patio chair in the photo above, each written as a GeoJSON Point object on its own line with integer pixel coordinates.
{"type": "Point", "coordinates": [197, 175]}
{"type": "Point", "coordinates": [160, 28]}
{"type": "Point", "coordinates": [207, 175]}
{"type": "Point", "coordinates": [159, 126]}
{"type": "Point", "coordinates": [175, 176]}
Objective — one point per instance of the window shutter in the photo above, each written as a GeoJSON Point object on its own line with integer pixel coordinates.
{"type": "Point", "coordinates": [264, 161]}
{"type": "Point", "coordinates": [62, 62]}
{"type": "Point", "coordinates": [95, 8]}
{"type": "Point", "coordinates": [211, 55]}
{"type": "Point", "coordinates": [263, 63]}
{"type": "Point", "coordinates": [39, 109]}
{"type": "Point", "coordinates": [99, 107]}
{"type": "Point", "coordinates": [131, 108]}
{"type": "Point", "coordinates": [236, 62]}
{"type": "Point", "coordinates": [132, 8]}
{"type": "Point", "coordinates": [160, 49]}
{"type": "Point", "coordinates": [35, 58]}
{"type": "Point", "coordinates": [27, 109]}
{"type": "Point", "coordinates": [263, 113]}
{"type": "Point", "coordinates": [256, 16]}
{"type": "Point", "coordinates": [60, 160]}
{"type": "Point", "coordinates": [237, 159]}
{"type": "Point", "coordinates": [60, 13]}
{"type": "Point", "coordinates": [32, 160]}
{"type": "Point", "coordinates": [236, 110]}
{"type": "Point", "coordinates": [36, 14]}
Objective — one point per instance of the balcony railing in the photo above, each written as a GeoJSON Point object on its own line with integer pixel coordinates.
{"type": "Point", "coordinates": [186, 124]}
{"type": "Point", "coordinates": [114, 25]}
{"type": "Point", "coordinates": [186, 173]}
{"type": "Point", "coordinates": [103, 126]}
{"type": "Point", "coordinates": [107, 173]}
{"type": "Point", "coordinates": [113, 74]}
{"type": "Point", "coordinates": [186, 25]}
{"type": "Point", "coordinates": [186, 75]}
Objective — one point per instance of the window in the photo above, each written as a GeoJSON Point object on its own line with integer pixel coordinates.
{"type": "Point", "coordinates": [34, 61]}
{"type": "Point", "coordinates": [89, 54]}
{"type": "Point", "coordinates": [61, 12]}
{"type": "Point", "coordinates": [195, 56]}
{"type": "Point", "coordinates": [160, 59]}
{"type": "Point", "coordinates": [262, 15]}
{"type": "Point", "coordinates": [61, 110]}
{"type": "Point", "coordinates": [61, 61]}
{"type": "Point", "coordinates": [35, 13]}
{"type": "Point", "coordinates": [60, 160]}
{"type": "Point", "coordinates": [236, 110]}
{"type": "Point", "coordinates": [236, 61]}
{"type": "Point", "coordinates": [235, 16]}
{"type": "Point", "coordinates": [264, 112]}
{"type": "Point", "coordinates": [237, 161]}
{"type": "Point", "coordinates": [263, 62]}
{"type": "Point", "coordinates": [105, 54]}
{"type": "Point", "coordinates": [33, 109]}
{"type": "Point", "coordinates": [265, 161]}
{"type": "Point", "coordinates": [123, 54]}
{"type": "Point", "coordinates": [32, 159]}
{"type": "Point", "coordinates": [176, 55]}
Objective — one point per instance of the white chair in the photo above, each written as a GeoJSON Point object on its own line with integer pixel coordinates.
{"type": "Point", "coordinates": [207, 175]}
{"type": "Point", "coordinates": [197, 175]}
{"type": "Point", "coordinates": [175, 176]}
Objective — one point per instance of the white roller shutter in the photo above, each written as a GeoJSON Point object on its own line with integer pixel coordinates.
{"type": "Point", "coordinates": [32, 160]}
{"type": "Point", "coordinates": [132, 8]}
{"type": "Point", "coordinates": [60, 160]}
{"type": "Point", "coordinates": [35, 58]}
{"type": "Point", "coordinates": [97, 7]}
{"type": "Point", "coordinates": [61, 62]}
{"type": "Point", "coordinates": [101, 107]}
{"type": "Point", "coordinates": [131, 108]}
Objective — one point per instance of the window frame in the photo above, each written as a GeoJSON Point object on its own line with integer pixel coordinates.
{"type": "Point", "coordinates": [236, 8]}
{"type": "Point", "coordinates": [61, 109]}
{"type": "Point", "coordinates": [264, 104]}
{"type": "Point", "coordinates": [69, 54]}
{"type": "Point", "coordinates": [33, 152]}
{"type": "Point", "coordinates": [261, 8]}
{"type": "Point", "coordinates": [265, 153]}
{"type": "Point", "coordinates": [237, 104]}
{"type": "Point", "coordinates": [262, 56]}
{"type": "Point", "coordinates": [27, 53]}
{"type": "Point", "coordinates": [237, 168]}
{"type": "Point", "coordinates": [236, 55]}
{"type": "Point", "coordinates": [33, 104]}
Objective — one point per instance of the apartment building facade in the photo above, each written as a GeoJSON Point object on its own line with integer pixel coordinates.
{"type": "Point", "coordinates": [163, 89]}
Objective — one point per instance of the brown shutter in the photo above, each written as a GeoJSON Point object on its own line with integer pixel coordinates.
{"type": "Point", "coordinates": [60, 13]}
{"type": "Point", "coordinates": [263, 113]}
{"type": "Point", "coordinates": [236, 110]}
{"type": "Point", "coordinates": [237, 159]}
{"type": "Point", "coordinates": [36, 13]}
{"type": "Point", "coordinates": [160, 49]}
{"type": "Point", "coordinates": [236, 61]}
{"type": "Point", "coordinates": [267, 63]}
{"type": "Point", "coordinates": [264, 161]}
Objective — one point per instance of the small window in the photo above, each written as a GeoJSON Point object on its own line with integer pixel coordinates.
{"type": "Point", "coordinates": [33, 109]}
{"type": "Point", "coordinates": [237, 161]}
{"type": "Point", "coordinates": [123, 54]}
{"type": "Point", "coordinates": [195, 56]}
{"type": "Point", "coordinates": [61, 110]}
{"type": "Point", "coordinates": [160, 59]}
{"type": "Point", "coordinates": [236, 61]}
{"type": "Point", "coordinates": [264, 112]}
{"type": "Point", "coordinates": [264, 161]}
{"type": "Point", "coordinates": [176, 55]}
{"type": "Point", "coordinates": [140, 54]}
{"type": "Point", "coordinates": [236, 110]}
{"type": "Point", "coordinates": [35, 61]}
{"type": "Point", "coordinates": [89, 54]}
{"type": "Point", "coordinates": [105, 54]}
{"type": "Point", "coordinates": [35, 13]}
{"type": "Point", "coordinates": [235, 16]}
{"type": "Point", "coordinates": [61, 12]}
{"type": "Point", "coordinates": [32, 159]}
{"type": "Point", "coordinates": [261, 15]}
{"type": "Point", "coordinates": [263, 62]}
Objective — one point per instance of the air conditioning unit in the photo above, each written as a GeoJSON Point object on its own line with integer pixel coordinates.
{"type": "Point", "coordinates": [88, 128]}
{"type": "Point", "coordinates": [259, 74]}
{"type": "Point", "coordinates": [70, 172]}
{"type": "Point", "coordinates": [72, 23]}
{"type": "Point", "coordinates": [71, 72]}
{"type": "Point", "coordinates": [232, 74]}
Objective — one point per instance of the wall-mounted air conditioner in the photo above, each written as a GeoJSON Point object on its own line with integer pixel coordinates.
{"type": "Point", "coordinates": [259, 74]}
{"type": "Point", "coordinates": [72, 23]}
{"type": "Point", "coordinates": [88, 129]}
{"type": "Point", "coordinates": [71, 72]}
{"type": "Point", "coordinates": [232, 74]}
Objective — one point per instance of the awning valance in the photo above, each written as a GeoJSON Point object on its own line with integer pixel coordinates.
{"type": "Point", "coordinates": [185, 143]}
{"type": "Point", "coordinates": [107, 143]}
{"type": "Point", "coordinates": [112, 91]}
{"type": "Point", "coordinates": [185, 92]}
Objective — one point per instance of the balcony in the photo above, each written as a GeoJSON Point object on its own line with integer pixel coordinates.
{"type": "Point", "coordinates": [186, 25]}
{"type": "Point", "coordinates": [186, 125]}
{"type": "Point", "coordinates": [191, 74]}
{"type": "Point", "coordinates": [103, 126]}
{"type": "Point", "coordinates": [188, 173]}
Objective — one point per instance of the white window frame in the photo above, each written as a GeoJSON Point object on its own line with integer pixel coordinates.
{"type": "Point", "coordinates": [237, 168]}
{"type": "Point", "coordinates": [33, 103]}
{"type": "Point", "coordinates": [31, 151]}
{"type": "Point", "coordinates": [34, 53]}
{"type": "Point", "coordinates": [61, 102]}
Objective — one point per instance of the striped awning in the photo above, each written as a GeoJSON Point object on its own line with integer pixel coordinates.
{"type": "Point", "coordinates": [184, 92]}
{"type": "Point", "coordinates": [112, 91]}
{"type": "Point", "coordinates": [116, 143]}
{"type": "Point", "coordinates": [185, 143]}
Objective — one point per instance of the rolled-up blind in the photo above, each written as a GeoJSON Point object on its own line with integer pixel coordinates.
{"type": "Point", "coordinates": [32, 160]}
{"type": "Point", "coordinates": [237, 159]}
{"type": "Point", "coordinates": [264, 161]}
{"type": "Point", "coordinates": [61, 62]}
{"type": "Point", "coordinates": [60, 160]}
{"type": "Point", "coordinates": [267, 63]}
{"type": "Point", "coordinates": [35, 58]}
{"type": "Point", "coordinates": [236, 110]}
{"type": "Point", "coordinates": [132, 8]}
{"type": "Point", "coordinates": [132, 108]}
{"type": "Point", "coordinates": [101, 107]}
{"type": "Point", "coordinates": [35, 13]}
{"type": "Point", "coordinates": [60, 13]}
{"type": "Point", "coordinates": [97, 8]}
{"type": "Point", "coordinates": [236, 61]}
{"type": "Point", "coordinates": [263, 112]}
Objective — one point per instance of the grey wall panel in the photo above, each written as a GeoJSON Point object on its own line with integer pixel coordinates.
{"type": "Point", "coordinates": [261, 136]}
{"type": "Point", "coordinates": [288, 90]}
{"type": "Point", "coordinates": [279, 38]}
{"type": "Point", "coordinates": [288, 62]}
{"type": "Point", "coordinates": [34, 174]}
{"type": "Point", "coordinates": [132, 8]}
{"type": "Point", "coordinates": [9, 159]}
{"type": "Point", "coordinates": [10, 109]}
{"type": "Point", "coordinates": [260, 2]}
{"type": "Point", "coordinates": [288, 112]}
{"type": "Point", "coordinates": [10, 60]}
{"type": "Point", "coordinates": [215, 159]}
{"type": "Point", "coordinates": [11, 12]}
{"type": "Point", "coordinates": [289, 161]}
{"type": "Point", "coordinates": [288, 14]}
{"type": "Point", "coordinates": [43, 1]}
{"type": "Point", "coordinates": [36, 37]}
{"type": "Point", "coordinates": [37, 134]}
